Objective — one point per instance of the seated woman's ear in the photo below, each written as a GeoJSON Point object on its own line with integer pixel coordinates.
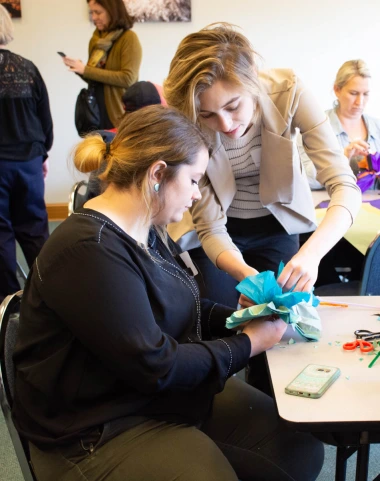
{"type": "Point", "coordinates": [156, 172]}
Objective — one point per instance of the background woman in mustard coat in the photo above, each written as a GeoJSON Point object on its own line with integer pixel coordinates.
{"type": "Point", "coordinates": [114, 58]}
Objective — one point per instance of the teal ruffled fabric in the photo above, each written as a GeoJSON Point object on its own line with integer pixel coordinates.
{"type": "Point", "coordinates": [295, 308]}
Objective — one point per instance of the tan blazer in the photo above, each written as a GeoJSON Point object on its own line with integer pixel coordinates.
{"type": "Point", "coordinates": [120, 72]}
{"type": "Point", "coordinates": [284, 190]}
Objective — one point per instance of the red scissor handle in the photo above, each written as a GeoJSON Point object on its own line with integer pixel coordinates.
{"type": "Point", "coordinates": [365, 346]}
{"type": "Point", "coordinates": [350, 346]}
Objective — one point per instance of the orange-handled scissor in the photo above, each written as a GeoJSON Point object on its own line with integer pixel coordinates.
{"type": "Point", "coordinates": [365, 346]}
{"type": "Point", "coordinates": [361, 341]}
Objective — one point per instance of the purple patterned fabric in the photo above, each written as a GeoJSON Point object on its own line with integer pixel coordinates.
{"type": "Point", "coordinates": [375, 159]}
{"type": "Point", "coordinates": [374, 203]}
{"type": "Point", "coordinates": [366, 179]}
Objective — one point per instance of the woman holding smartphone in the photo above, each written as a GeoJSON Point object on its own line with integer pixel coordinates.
{"type": "Point", "coordinates": [114, 58]}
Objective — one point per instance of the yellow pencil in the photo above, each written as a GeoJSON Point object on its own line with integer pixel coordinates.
{"type": "Point", "coordinates": [322, 303]}
{"type": "Point", "coordinates": [347, 304]}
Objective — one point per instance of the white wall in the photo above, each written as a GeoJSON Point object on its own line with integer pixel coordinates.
{"type": "Point", "coordinates": [314, 38]}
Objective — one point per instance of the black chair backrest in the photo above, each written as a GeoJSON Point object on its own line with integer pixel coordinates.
{"type": "Point", "coordinates": [9, 324]}
{"type": "Point", "coordinates": [370, 285]}
{"type": "Point", "coordinates": [9, 347]}
{"type": "Point", "coordinates": [78, 196]}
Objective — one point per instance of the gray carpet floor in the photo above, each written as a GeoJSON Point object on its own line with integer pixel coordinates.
{"type": "Point", "coordinates": [10, 471]}
{"type": "Point", "coordinates": [9, 467]}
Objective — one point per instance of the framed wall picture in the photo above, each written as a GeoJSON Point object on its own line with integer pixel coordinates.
{"type": "Point", "coordinates": [13, 7]}
{"type": "Point", "coordinates": [159, 10]}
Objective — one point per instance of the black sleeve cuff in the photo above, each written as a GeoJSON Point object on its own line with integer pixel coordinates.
{"type": "Point", "coordinates": [214, 318]}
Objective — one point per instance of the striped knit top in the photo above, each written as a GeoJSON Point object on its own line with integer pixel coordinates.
{"type": "Point", "coordinates": [245, 156]}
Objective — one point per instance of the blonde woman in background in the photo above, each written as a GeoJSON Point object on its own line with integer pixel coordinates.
{"type": "Point", "coordinates": [358, 133]}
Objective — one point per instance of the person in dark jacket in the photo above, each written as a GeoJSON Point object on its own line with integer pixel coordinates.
{"type": "Point", "coordinates": [122, 371]}
{"type": "Point", "coordinates": [137, 96]}
{"type": "Point", "coordinates": [26, 136]}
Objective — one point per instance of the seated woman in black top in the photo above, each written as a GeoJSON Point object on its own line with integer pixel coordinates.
{"type": "Point", "coordinates": [123, 372]}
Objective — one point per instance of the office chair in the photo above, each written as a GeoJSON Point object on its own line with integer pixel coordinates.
{"type": "Point", "coordinates": [369, 285]}
{"type": "Point", "coordinates": [84, 191]}
{"type": "Point", "coordinates": [9, 323]}
{"type": "Point", "coordinates": [22, 275]}
{"type": "Point", "coordinates": [78, 196]}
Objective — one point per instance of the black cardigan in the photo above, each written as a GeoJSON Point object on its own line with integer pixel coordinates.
{"type": "Point", "coordinates": [109, 331]}
{"type": "Point", "coordinates": [26, 126]}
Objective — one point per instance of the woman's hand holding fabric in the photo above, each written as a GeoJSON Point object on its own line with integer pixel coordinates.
{"type": "Point", "coordinates": [74, 65]}
{"type": "Point", "coordinates": [244, 301]}
{"type": "Point", "coordinates": [264, 333]}
{"type": "Point", "coordinates": [300, 272]}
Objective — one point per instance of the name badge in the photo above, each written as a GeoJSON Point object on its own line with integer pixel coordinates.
{"type": "Point", "coordinates": [186, 259]}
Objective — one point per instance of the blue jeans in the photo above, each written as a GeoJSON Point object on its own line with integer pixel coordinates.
{"type": "Point", "coordinates": [23, 217]}
{"type": "Point", "coordinates": [264, 244]}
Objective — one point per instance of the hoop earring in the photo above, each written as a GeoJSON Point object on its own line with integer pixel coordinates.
{"type": "Point", "coordinates": [156, 187]}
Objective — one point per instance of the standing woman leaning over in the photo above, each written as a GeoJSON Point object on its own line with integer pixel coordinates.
{"type": "Point", "coordinates": [357, 132]}
{"type": "Point", "coordinates": [114, 58]}
{"type": "Point", "coordinates": [255, 197]}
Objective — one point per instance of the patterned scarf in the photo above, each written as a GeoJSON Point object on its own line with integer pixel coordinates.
{"type": "Point", "coordinates": [100, 51]}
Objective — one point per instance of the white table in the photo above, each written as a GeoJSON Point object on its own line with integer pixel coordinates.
{"type": "Point", "coordinates": [352, 403]}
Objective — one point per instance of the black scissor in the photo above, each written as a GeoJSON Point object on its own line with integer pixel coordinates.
{"type": "Point", "coordinates": [366, 335]}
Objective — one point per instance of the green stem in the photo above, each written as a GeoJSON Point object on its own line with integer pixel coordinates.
{"type": "Point", "coordinates": [374, 359]}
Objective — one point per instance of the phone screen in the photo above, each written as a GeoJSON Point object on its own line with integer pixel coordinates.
{"type": "Point", "coordinates": [61, 54]}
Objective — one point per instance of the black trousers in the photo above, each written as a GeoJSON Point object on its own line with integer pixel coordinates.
{"type": "Point", "coordinates": [264, 244]}
{"type": "Point", "coordinates": [242, 439]}
{"type": "Point", "coordinates": [343, 254]}
{"type": "Point", "coordinates": [23, 217]}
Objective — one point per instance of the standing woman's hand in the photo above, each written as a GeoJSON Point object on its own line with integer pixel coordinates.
{"type": "Point", "coordinates": [74, 65]}
{"type": "Point", "coordinates": [300, 272]}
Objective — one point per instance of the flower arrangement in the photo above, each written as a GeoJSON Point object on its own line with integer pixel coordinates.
{"type": "Point", "coordinates": [295, 308]}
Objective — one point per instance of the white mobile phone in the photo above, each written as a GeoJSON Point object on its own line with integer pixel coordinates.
{"type": "Point", "coordinates": [313, 381]}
